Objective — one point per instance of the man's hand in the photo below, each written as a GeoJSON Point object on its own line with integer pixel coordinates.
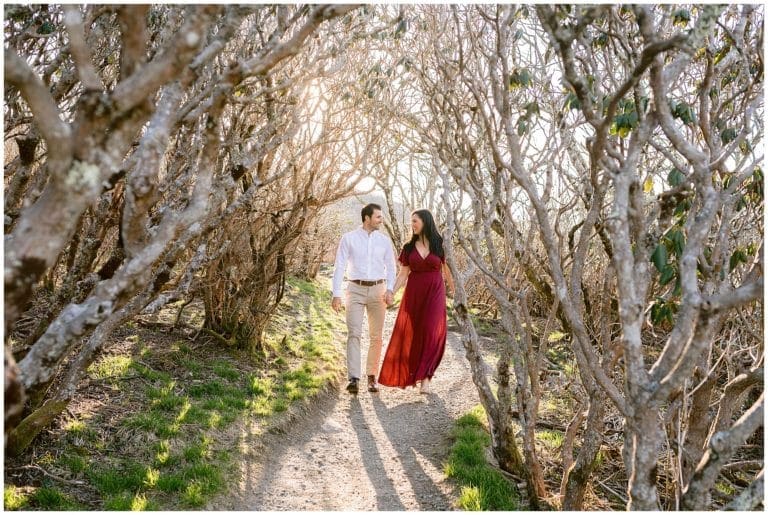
{"type": "Point", "coordinates": [336, 304]}
{"type": "Point", "coordinates": [389, 298]}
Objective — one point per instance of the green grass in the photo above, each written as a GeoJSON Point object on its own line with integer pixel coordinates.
{"type": "Point", "coordinates": [49, 498]}
{"type": "Point", "coordinates": [555, 405]}
{"type": "Point", "coordinates": [151, 374]}
{"type": "Point", "coordinates": [214, 420]}
{"type": "Point", "coordinates": [110, 367]}
{"type": "Point", "coordinates": [180, 346]}
{"type": "Point", "coordinates": [118, 478]}
{"type": "Point", "coordinates": [170, 403]}
{"type": "Point", "coordinates": [74, 463]}
{"type": "Point", "coordinates": [260, 387]}
{"type": "Point", "coordinates": [302, 382]}
{"type": "Point", "coordinates": [197, 415]}
{"type": "Point", "coordinates": [130, 502]}
{"type": "Point", "coordinates": [470, 498]}
{"type": "Point", "coordinates": [171, 483]}
{"type": "Point", "coordinates": [599, 459]}
{"type": "Point", "coordinates": [194, 495]}
{"type": "Point", "coordinates": [199, 451]}
{"type": "Point", "coordinates": [279, 405]}
{"type": "Point", "coordinates": [163, 456]}
{"type": "Point", "coordinates": [162, 391]}
{"type": "Point", "coordinates": [151, 422]}
{"type": "Point", "coordinates": [485, 327]}
{"type": "Point", "coordinates": [725, 488]}
{"type": "Point", "coordinates": [14, 499]}
{"type": "Point", "coordinates": [556, 336]}
{"type": "Point", "coordinates": [212, 388]}
{"type": "Point", "coordinates": [151, 477]}
{"type": "Point", "coordinates": [551, 439]}
{"type": "Point", "coordinates": [225, 370]}
{"type": "Point", "coordinates": [482, 487]}
{"type": "Point", "coordinates": [80, 429]}
{"type": "Point", "coordinates": [77, 427]}
{"type": "Point", "coordinates": [82, 440]}
{"type": "Point", "coordinates": [191, 365]}
{"type": "Point", "coordinates": [203, 480]}
{"type": "Point", "coordinates": [570, 370]}
{"type": "Point", "coordinates": [559, 351]}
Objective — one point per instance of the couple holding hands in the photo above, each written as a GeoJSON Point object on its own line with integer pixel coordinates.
{"type": "Point", "coordinates": [418, 338]}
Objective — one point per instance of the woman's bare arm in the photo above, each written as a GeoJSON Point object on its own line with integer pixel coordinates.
{"type": "Point", "coordinates": [402, 277]}
{"type": "Point", "coordinates": [448, 278]}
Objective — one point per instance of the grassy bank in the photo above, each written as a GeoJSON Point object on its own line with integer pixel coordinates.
{"type": "Point", "coordinates": [560, 393]}
{"type": "Point", "coordinates": [163, 418]}
{"type": "Point", "coordinates": [482, 488]}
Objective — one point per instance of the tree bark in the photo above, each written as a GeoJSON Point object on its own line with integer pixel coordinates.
{"type": "Point", "coordinates": [576, 478]}
{"type": "Point", "coordinates": [722, 446]}
{"type": "Point", "coordinates": [14, 394]}
{"type": "Point", "coordinates": [752, 497]}
{"type": "Point", "coordinates": [644, 439]}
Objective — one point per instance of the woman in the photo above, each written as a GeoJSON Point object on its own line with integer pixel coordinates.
{"type": "Point", "coordinates": [418, 338]}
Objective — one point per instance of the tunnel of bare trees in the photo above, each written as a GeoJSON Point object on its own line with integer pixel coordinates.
{"type": "Point", "coordinates": [596, 170]}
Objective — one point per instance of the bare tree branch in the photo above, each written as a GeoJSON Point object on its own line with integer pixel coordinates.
{"type": "Point", "coordinates": [722, 446]}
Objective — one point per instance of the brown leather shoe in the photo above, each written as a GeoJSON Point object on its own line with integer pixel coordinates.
{"type": "Point", "coordinates": [372, 386]}
{"type": "Point", "coordinates": [352, 386]}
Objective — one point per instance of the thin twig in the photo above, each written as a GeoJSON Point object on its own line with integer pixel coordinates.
{"type": "Point", "coordinates": [79, 49]}
{"type": "Point", "coordinates": [115, 377]}
{"type": "Point", "coordinates": [614, 492]}
{"type": "Point", "coordinates": [52, 476]}
{"type": "Point", "coordinates": [741, 465]}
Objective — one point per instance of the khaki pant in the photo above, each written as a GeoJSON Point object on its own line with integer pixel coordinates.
{"type": "Point", "coordinates": [360, 298]}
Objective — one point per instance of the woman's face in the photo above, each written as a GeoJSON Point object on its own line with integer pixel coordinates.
{"type": "Point", "coordinates": [417, 224]}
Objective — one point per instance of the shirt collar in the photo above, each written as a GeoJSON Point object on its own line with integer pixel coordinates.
{"type": "Point", "coordinates": [364, 232]}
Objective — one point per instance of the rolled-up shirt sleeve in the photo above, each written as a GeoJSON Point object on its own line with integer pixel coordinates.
{"type": "Point", "coordinates": [389, 262]}
{"type": "Point", "coordinates": [340, 266]}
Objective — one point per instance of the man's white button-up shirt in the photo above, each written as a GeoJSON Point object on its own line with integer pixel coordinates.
{"type": "Point", "coordinates": [369, 255]}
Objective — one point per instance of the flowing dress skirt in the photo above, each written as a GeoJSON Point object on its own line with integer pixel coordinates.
{"type": "Point", "coordinates": [418, 338]}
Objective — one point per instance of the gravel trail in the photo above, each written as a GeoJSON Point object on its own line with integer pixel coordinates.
{"type": "Point", "coordinates": [373, 451]}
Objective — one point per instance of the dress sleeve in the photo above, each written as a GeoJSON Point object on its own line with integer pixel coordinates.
{"type": "Point", "coordinates": [403, 258]}
{"type": "Point", "coordinates": [442, 258]}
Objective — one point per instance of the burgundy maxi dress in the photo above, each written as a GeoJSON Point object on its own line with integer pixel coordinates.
{"type": "Point", "coordinates": [418, 337]}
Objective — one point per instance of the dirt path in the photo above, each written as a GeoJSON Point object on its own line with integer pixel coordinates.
{"type": "Point", "coordinates": [380, 451]}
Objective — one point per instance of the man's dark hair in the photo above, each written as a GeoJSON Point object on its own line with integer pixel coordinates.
{"type": "Point", "coordinates": [368, 210]}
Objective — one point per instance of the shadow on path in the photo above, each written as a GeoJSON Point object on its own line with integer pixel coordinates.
{"type": "Point", "coordinates": [387, 496]}
{"type": "Point", "coordinates": [267, 453]}
{"type": "Point", "coordinates": [423, 442]}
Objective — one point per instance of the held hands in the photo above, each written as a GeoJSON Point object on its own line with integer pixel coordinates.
{"type": "Point", "coordinates": [389, 298]}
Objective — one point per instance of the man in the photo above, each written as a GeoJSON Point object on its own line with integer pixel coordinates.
{"type": "Point", "coordinates": [371, 261]}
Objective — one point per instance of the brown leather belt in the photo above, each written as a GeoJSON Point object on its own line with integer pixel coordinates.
{"type": "Point", "coordinates": [367, 283]}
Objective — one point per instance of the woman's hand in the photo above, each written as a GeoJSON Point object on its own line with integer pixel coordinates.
{"type": "Point", "coordinates": [450, 289]}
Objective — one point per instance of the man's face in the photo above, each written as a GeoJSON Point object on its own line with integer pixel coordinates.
{"type": "Point", "coordinates": [376, 219]}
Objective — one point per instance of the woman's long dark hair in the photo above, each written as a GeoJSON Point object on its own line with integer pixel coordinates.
{"type": "Point", "coordinates": [430, 233]}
